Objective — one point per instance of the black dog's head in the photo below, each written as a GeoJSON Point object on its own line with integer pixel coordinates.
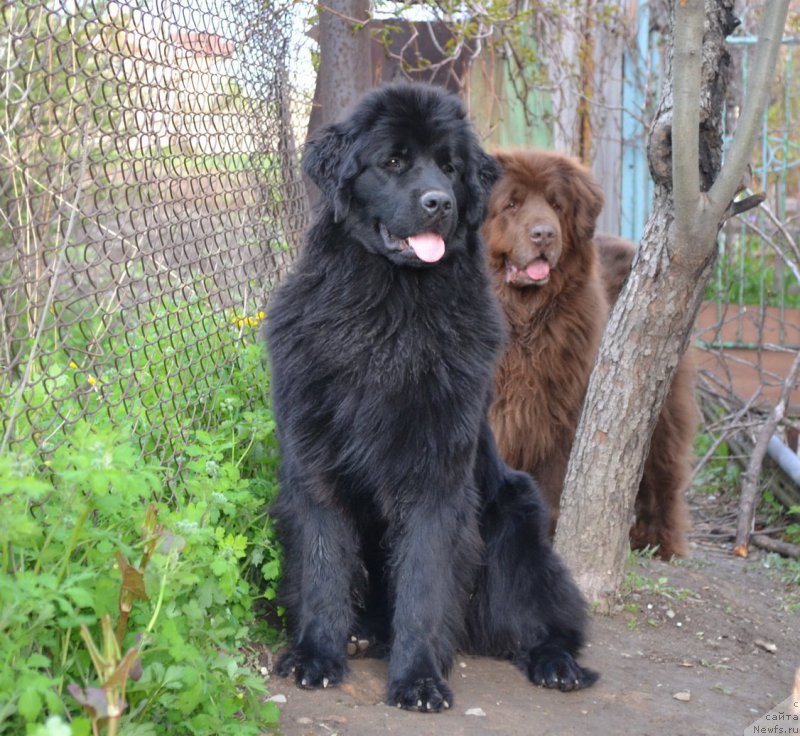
{"type": "Point", "coordinates": [404, 173]}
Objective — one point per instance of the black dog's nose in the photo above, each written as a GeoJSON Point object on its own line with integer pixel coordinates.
{"type": "Point", "coordinates": [542, 234]}
{"type": "Point", "coordinates": [435, 202]}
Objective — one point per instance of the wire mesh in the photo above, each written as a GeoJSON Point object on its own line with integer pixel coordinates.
{"type": "Point", "coordinates": [757, 275]}
{"type": "Point", "coordinates": [750, 328]}
{"type": "Point", "coordinates": [149, 196]}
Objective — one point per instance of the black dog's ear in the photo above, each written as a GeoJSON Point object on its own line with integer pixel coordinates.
{"type": "Point", "coordinates": [489, 171]}
{"type": "Point", "coordinates": [485, 172]}
{"type": "Point", "coordinates": [331, 162]}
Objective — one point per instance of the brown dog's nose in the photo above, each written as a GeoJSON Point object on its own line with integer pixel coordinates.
{"type": "Point", "coordinates": [436, 201]}
{"type": "Point", "coordinates": [542, 234]}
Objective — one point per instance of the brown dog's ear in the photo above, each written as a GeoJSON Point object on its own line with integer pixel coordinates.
{"type": "Point", "coordinates": [585, 197]}
{"type": "Point", "coordinates": [502, 158]}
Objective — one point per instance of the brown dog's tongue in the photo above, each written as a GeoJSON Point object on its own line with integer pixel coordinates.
{"type": "Point", "coordinates": [429, 247]}
{"type": "Point", "coordinates": [538, 270]}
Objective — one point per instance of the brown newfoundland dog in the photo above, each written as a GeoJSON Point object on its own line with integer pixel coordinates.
{"type": "Point", "coordinates": [556, 282]}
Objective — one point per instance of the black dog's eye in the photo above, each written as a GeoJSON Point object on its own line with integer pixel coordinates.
{"type": "Point", "coordinates": [448, 168]}
{"type": "Point", "coordinates": [394, 162]}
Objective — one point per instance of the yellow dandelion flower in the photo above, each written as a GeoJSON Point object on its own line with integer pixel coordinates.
{"type": "Point", "coordinates": [92, 380]}
{"type": "Point", "coordinates": [240, 322]}
{"type": "Point", "coordinates": [73, 364]}
{"type": "Point", "coordinates": [262, 315]}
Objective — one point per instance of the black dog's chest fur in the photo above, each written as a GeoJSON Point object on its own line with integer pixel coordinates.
{"type": "Point", "coordinates": [396, 342]}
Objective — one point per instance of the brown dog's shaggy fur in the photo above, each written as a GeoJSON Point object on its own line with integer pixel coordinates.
{"type": "Point", "coordinates": [556, 282]}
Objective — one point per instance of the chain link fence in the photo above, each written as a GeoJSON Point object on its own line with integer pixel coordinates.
{"type": "Point", "coordinates": [150, 197]}
{"type": "Point", "coordinates": [750, 327]}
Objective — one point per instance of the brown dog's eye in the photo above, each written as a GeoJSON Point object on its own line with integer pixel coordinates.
{"type": "Point", "coordinates": [556, 207]}
{"type": "Point", "coordinates": [510, 206]}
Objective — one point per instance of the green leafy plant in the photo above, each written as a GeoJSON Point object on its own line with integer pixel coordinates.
{"type": "Point", "coordinates": [793, 530]}
{"type": "Point", "coordinates": [721, 473]}
{"type": "Point", "coordinates": [748, 274]}
{"type": "Point", "coordinates": [637, 580]}
{"type": "Point", "coordinates": [95, 643]}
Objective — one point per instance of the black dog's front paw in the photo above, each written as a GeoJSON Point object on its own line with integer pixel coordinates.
{"type": "Point", "coordinates": [312, 670]}
{"type": "Point", "coordinates": [553, 666]}
{"type": "Point", "coordinates": [426, 694]}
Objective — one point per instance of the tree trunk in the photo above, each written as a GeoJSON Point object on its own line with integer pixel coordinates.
{"type": "Point", "coordinates": [650, 325]}
{"type": "Point", "coordinates": [345, 67]}
{"type": "Point", "coordinates": [647, 333]}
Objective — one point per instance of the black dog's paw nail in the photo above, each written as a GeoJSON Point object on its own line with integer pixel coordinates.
{"type": "Point", "coordinates": [557, 668]}
{"type": "Point", "coordinates": [312, 672]}
{"type": "Point", "coordinates": [427, 695]}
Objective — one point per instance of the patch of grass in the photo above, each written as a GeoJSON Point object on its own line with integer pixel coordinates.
{"type": "Point", "coordinates": [134, 584]}
{"type": "Point", "coordinates": [787, 573]}
{"type": "Point", "coordinates": [774, 514]}
{"type": "Point", "coordinates": [748, 273]}
{"type": "Point", "coordinates": [721, 474]}
{"type": "Point", "coordinates": [637, 582]}
{"type": "Point", "coordinates": [792, 532]}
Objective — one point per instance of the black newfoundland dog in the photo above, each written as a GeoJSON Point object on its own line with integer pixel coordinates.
{"type": "Point", "coordinates": [398, 519]}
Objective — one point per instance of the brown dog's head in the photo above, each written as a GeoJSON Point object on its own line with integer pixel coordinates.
{"type": "Point", "coordinates": [541, 212]}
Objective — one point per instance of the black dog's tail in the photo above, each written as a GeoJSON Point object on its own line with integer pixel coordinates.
{"type": "Point", "coordinates": [526, 606]}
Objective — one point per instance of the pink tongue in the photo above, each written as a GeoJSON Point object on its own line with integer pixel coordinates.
{"type": "Point", "coordinates": [538, 270]}
{"type": "Point", "coordinates": [428, 246]}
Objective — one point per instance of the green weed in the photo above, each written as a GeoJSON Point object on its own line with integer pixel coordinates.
{"type": "Point", "coordinates": [747, 273]}
{"type": "Point", "coordinates": [128, 588]}
{"type": "Point", "coordinates": [721, 474]}
{"type": "Point", "coordinates": [637, 581]}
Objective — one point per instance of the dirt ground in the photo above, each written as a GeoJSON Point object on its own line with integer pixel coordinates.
{"type": "Point", "coordinates": [704, 646]}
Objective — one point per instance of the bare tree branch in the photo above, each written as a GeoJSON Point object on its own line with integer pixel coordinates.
{"type": "Point", "coordinates": [776, 545]}
{"type": "Point", "coordinates": [755, 101]}
{"type": "Point", "coordinates": [686, 112]}
{"type": "Point", "coordinates": [744, 205]}
{"type": "Point", "coordinates": [793, 264]}
{"type": "Point", "coordinates": [749, 497]}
